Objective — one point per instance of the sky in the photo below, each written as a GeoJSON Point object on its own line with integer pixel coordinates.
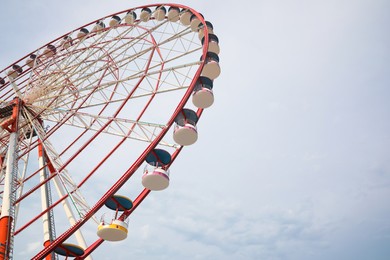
{"type": "Point", "coordinates": [293, 158]}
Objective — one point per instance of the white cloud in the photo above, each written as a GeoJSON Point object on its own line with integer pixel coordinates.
{"type": "Point", "coordinates": [30, 248]}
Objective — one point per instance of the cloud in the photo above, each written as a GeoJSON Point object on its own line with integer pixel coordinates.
{"type": "Point", "coordinates": [30, 248]}
{"type": "Point", "coordinates": [231, 231]}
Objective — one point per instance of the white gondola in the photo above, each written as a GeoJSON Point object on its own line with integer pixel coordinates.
{"type": "Point", "coordinates": [31, 60]}
{"type": "Point", "coordinates": [211, 67]}
{"type": "Point", "coordinates": [203, 96]}
{"type": "Point", "coordinates": [185, 135]}
{"type": "Point", "coordinates": [49, 51]}
{"type": "Point", "coordinates": [155, 179]}
{"type": "Point", "coordinates": [98, 28]}
{"type": "Point", "coordinates": [185, 131]}
{"type": "Point", "coordinates": [185, 17]}
{"type": "Point", "coordinates": [194, 22]}
{"type": "Point", "coordinates": [210, 29]}
{"type": "Point", "coordinates": [213, 44]}
{"type": "Point", "coordinates": [159, 13]}
{"type": "Point", "coordinates": [66, 42]}
{"type": "Point", "coordinates": [156, 172]}
{"type": "Point", "coordinates": [130, 17]}
{"type": "Point", "coordinates": [15, 71]}
{"type": "Point", "coordinates": [82, 33]}
{"type": "Point", "coordinates": [115, 20]}
{"type": "Point", "coordinates": [145, 14]}
{"type": "Point", "coordinates": [173, 14]}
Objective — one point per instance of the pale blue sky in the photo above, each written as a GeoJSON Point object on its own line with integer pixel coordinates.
{"type": "Point", "coordinates": [293, 160]}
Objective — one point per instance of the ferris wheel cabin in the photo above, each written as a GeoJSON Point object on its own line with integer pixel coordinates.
{"type": "Point", "coordinates": [203, 96]}
{"type": "Point", "coordinates": [185, 18]}
{"type": "Point", "coordinates": [115, 20]}
{"type": "Point", "coordinates": [156, 174]}
{"type": "Point", "coordinates": [98, 28]}
{"type": "Point", "coordinates": [159, 13]}
{"type": "Point", "coordinates": [31, 60]}
{"type": "Point", "coordinates": [145, 14]}
{"type": "Point", "coordinates": [130, 17]}
{"type": "Point", "coordinates": [66, 42]}
{"type": "Point", "coordinates": [50, 51]}
{"type": "Point", "coordinates": [210, 29]}
{"type": "Point", "coordinates": [15, 71]}
{"type": "Point", "coordinates": [185, 132]}
{"type": "Point", "coordinates": [82, 33]}
{"type": "Point", "coordinates": [211, 68]}
{"type": "Point", "coordinates": [213, 44]}
{"type": "Point", "coordinates": [173, 14]}
{"type": "Point", "coordinates": [195, 22]}
{"type": "Point", "coordinates": [115, 229]}
{"type": "Point", "coordinates": [69, 250]}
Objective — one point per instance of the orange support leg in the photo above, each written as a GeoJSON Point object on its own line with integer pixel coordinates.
{"type": "Point", "coordinates": [5, 230]}
{"type": "Point", "coordinates": [46, 244]}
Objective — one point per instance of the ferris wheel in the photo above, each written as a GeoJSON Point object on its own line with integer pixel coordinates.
{"type": "Point", "coordinates": [91, 122]}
